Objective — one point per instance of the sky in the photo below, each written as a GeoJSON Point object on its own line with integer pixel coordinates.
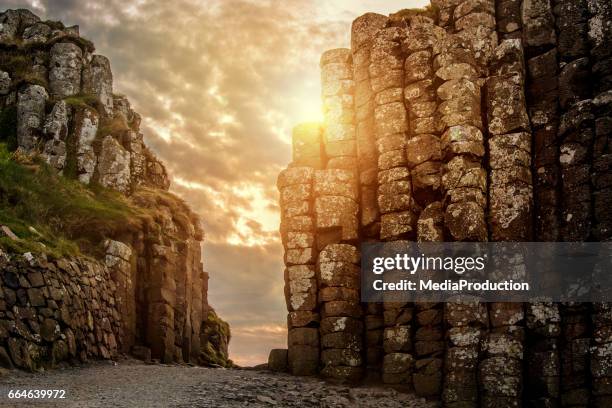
{"type": "Point", "coordinates": [220, 84]}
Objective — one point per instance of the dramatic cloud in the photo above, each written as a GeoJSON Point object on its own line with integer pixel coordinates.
{"type": "Point", "coordinates": [219, 84]}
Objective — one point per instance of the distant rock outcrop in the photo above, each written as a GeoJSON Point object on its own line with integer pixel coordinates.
{"type": "Point", "coordinates": [149, 289]}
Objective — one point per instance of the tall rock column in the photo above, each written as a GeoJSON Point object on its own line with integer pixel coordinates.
{"type": "Point", "coordinates": [464, 179]}
{"type": "Point", "coordinates": [542, 377]}
{"type": "Point", "coordinates": [576, 135]}
{"type": "Point", "coordinates": [336, 191]}
{"type": "Point", "coordinates": [510, 190]}
{"type": "Point", "coordinates": [363, 31]}
{"type": "Point", "coordinates": [397, 207]}
{"type": "Point", "coordinates": [510, 215]}
{"type": "Point", "coordinates": [600, 36]}
{"type": "Point", "coordinates": [297, 230]}
{"type": "Point", "coordinates": [542, 382]}
{"type": "Point", "coordinates": [118, 260]}
{"type": "Point", "coordinates": [576, 130]}
{"type": "Point", "coordinates": [424, 156]}
{"type": "Point", "coordinates": [460, 64]}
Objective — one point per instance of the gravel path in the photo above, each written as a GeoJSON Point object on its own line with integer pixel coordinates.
{"type": "Point", "coordinates": [134, 384]}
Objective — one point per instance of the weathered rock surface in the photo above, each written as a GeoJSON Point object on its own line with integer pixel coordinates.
{"type": "Point", "coordinates": [65, 106]}
{"type": "Point", "coordinates": [474, 121]}
{"type": "Point", "coordinates": [147, 292]}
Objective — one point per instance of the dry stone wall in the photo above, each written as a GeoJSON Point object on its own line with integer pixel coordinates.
{"type": "Point", "coordinates": [473, 120]}
{"type": "Point", "coordinates": [148, 293]}
{"type": "Point", "coordinates": [54, 311]}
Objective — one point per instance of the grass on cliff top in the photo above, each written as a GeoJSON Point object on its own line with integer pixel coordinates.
{"type": "Point", "coordinates": [427, 11]}
{"type": "Point", "coordinates": [68, 218]}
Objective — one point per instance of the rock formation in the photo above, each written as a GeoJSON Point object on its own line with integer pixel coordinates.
{"type": "Point", "coordinates": [470, 120]}
{"type": "Point", "coordinates": [148, 289]}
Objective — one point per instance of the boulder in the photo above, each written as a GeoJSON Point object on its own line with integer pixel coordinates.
{"type": "Point", "coordinates": [66, 62]}
{"type": "Point", "coordinates": [31, 103]}
{"type": "Point", "coordinates": [278, 360]}
{"type": "Point", "coordinates": [98, 81]}
{"type": "Point", "coordinates": [114, 166]}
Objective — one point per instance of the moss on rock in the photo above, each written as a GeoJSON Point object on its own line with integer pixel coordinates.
{"type": "Point", "coordinates": [214, 336]}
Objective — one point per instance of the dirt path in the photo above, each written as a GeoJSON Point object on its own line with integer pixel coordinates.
{"type": "Point", "coordinates": [133, 384]}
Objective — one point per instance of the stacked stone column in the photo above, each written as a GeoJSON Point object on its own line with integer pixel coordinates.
{"type": "Point", "coordinates": [336, 190]}
{"type": "Point", "coordinates": [118, 258]}
{"type": "Point", "coordinates": [363, 31]}
{"type": "Point", "coordinates": [600, 36]}
{"type": "Point", "coordinates": [576, 130]}
{"type": "Point", "coordinates": [424, 157]}
{"type": "Point", "coordinates": [297, 230]}
{"type": "Point", "coordinates": [576, 137]}
{"type": "Point", "coordinates": [466, 324]}
{"type": "Point", "coordinates": [341, 326]}
{"type": "Point", "coordinates": [394, 196]}
{"type": "Point", "coordinates": [460, 65]}
{"type": "Point", "coordinates": [395, 201]}
{"type": "Point", "coordinates": [510, 214]}
{"type": "Point", "coordinates": [542, 384]}
{"type": "Point", "coordinates": [464, 178]}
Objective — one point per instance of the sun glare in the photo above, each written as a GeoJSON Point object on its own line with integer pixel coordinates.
{"type": "Point", "coordinates": [310, 110]}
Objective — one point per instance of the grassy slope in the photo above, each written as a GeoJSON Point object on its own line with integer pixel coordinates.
{"type": "Point", "coordinates": [69, 216]}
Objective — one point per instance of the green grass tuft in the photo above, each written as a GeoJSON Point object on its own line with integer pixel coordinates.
{"type": "Point", "coordinates": [82, 100]}
{"type": "Point", "coordinates": [70, 217]}
{"type": "Point", "coordinates": [112, 126]}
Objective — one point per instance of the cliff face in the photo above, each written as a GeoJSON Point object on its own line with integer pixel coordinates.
{"type": "Point", "coordinates": [471, 120]}
{"type": "Point", "coordinates": [146, 289]}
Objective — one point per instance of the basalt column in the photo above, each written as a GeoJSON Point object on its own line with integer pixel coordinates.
{"type": "Point", "coordinates": [576, 134]}
{"type": "Point", "coordinates": [336, 190]}
{"type": "Point", "coordinates": [510, 215]}
{"type": "Point", "coordinates": [297, 231]}
{"type": "Point", "coordinates": [542, 384]}
{"type": "Point", "coordinates": [460, 64]}
{"type": "Point", "coordinates": [600, 38]}
{"type": "Point", "coordinates": [424, 156]}
{"type": "Point", "coordinates": [362, 34]}
{"type": "Point", "coordinates": [397, 207]}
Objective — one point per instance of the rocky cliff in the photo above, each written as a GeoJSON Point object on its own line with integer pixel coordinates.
{"type": "Point", "coordinates": [132, 281]}
{"type": "Point", "coordinates": [470, 120]}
